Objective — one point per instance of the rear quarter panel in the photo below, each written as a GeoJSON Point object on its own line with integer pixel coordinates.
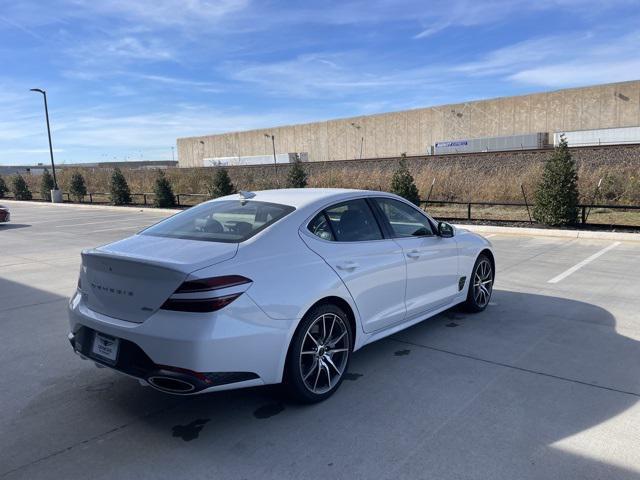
{"type": "Point", "coordinates": [288, 278]}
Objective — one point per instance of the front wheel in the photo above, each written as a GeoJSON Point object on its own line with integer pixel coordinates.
{"type": "Point", "coordinates": [481, 284]}
{"type": "Point", "coordinates": [319, 354]}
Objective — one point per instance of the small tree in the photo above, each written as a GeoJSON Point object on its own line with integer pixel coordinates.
{"type": "Point", "coordinates": [164, 197]}
{"type": "Point", "coordinates": [46, 185]}
{"type": "Point", "coordinates": [220, 184]}
{"type": "Point", "coordinates": [402, 183]}
{"type": "Point", "coordinates": [77, 189]}
{"type": "Point", "coordinates": [20, 188]}
{"type": "Point", "coordinates": [556, 198]}
{"type": "Point", "coordinates": [119, 189]}
{"type": "Point", "coordinates": [297, 177]}
{"type": "Point", "coordinates": [3, 188]}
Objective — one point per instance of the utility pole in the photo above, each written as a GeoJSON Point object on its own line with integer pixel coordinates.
{"type": "Point", "coordinates": [46, 114]}
{"type": "Point", "coordinates": [357, 128]}
{"type": "Point", "coordinates": [273, 144]}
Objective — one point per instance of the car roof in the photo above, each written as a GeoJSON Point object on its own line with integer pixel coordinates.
{"type": "Point", "coordinates": [304, 197]}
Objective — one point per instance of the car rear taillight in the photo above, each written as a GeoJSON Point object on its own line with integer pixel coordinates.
{"type": "Point", "coordinates": [207, 294]}
{"type": "Point", "coordinates": [215, 283]}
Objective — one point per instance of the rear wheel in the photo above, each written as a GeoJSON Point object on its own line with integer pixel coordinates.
{"type": "Point", "coordinates": [481, 284]}
{"type": "Point", "coordinates": [319, 354]}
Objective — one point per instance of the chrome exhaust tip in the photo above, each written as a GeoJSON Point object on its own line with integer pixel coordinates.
{"type": "Point", "coordinates": [170, 385]}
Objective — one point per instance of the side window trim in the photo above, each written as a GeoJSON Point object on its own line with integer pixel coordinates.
{"type": "Point", "coordinates": [381, 218]}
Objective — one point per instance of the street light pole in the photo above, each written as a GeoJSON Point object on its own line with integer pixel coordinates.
{"type": "Point", "coordinates": [46, 113]}
{"type": "Point", "coordinates": [273, 144]}
{"type": "Point", "coordinates": [357, 128]}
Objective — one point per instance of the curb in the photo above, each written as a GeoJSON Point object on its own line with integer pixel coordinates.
{"type": "Point", "coordinates": [545, 232]}
{"type": "Point", "coordinates": [90, 206]}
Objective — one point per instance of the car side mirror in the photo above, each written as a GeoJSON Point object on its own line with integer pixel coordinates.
{"type": "Point", "coordinates": [445, 230]}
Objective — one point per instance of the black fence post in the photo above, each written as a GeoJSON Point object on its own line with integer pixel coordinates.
{"type": "Point", "coordinates": [524, 195]}
{"type": "Point", "coordinates": [431, 189]}
{"type": "Point", "coordinates": [584, 214]}
{"type": "Point", "coordinates": [178, 200]}
{"type": "Point", "coordinates": [468, 211]}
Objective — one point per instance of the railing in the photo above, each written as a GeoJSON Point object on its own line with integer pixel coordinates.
{"type": "Point", "coordinates": [608, 214]}
{"type": "Point", "coordinates": [144, 199]}
{"type": "Point", "coordinates": [611, 216]}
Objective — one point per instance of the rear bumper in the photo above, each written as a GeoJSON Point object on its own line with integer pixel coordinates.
{"type": "Point", "coordinates": [4, 216]}
{"type": "Point", "coordinates": [238, 346]}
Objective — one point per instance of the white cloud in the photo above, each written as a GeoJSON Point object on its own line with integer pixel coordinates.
{"type": "Point", "coordinates": [576, 73]}
{"type": "Point", "coordinates": [315, 75]}
{"type": "Point", "coordinates": [427, 32]}
{"type": "Point", "coordinates": [163, 12]}
{"type": "Point", "coordinates": [563, 60]}
{"type": "Point", "coordinates": [212, 87]}
{"type": "Point", "coordinates": [528, 52]}
{"type": "Point", "coordinates": [128, 48]}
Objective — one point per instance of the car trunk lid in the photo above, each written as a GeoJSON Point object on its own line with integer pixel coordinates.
{"type": "Point", "coordinates": [132, 278]}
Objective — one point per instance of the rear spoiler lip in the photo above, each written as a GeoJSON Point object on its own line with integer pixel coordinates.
{"type": "Point", "coordinates": [185, 268]}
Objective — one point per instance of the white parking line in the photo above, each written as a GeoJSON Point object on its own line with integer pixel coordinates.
{"type": "Point", "coordinates": [115, 220]}
{"type": "Point", "coordinates": [584, 262]}
{"type": "Point", "coordinates": [60, 219]}
{"type": "Point", "coordinates": [134, 228]}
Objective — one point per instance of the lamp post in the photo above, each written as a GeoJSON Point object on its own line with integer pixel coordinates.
{"type": "Point", "coordinates": [358, 127]}
{"type": "Point", "coordinates": [273, 144]}
{"type": "Point", "coordinates": [56, 196]}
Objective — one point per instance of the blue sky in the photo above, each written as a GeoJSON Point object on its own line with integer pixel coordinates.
{"type": "Point", "coordinates": [126, 77]}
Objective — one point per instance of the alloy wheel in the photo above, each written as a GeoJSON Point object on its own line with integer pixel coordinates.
{"type": "Point", "coordinates": [324, 353]}
{"type": "Point", "coordinates": [483, 283]}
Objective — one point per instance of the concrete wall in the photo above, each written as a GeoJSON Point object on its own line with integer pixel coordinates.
{"type": "Point", "coordinates": [414, 131]}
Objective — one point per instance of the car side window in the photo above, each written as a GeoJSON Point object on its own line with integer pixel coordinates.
{"type": "Point", "coordinates": [405, 220]}
{"type": "Point", "coordinates": [353, 221]}
{"type": "Point", "coordinates": [320, 227]}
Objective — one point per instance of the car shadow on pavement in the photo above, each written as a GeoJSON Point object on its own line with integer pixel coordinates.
{"type": "Point", "coordinates": [13, 226]}
{"type": "Point", "coordinates": [513, 392]}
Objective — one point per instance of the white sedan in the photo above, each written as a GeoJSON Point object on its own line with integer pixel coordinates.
{"type": "Point", "coordinates": [268, 287]}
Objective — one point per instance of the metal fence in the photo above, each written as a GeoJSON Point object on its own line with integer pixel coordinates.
{"type": "Point", "coordinates": [138, 199]}
{"type": "Point", "coordinates": [627, 216]}
{"type": "Point", "coordinates": [610, 216]}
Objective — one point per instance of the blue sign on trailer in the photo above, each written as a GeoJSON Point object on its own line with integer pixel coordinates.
{"type": "Point", "coordinates": [457, 143]}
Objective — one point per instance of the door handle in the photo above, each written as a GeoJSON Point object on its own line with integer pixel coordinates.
{"type": "Point", "coordinates": [347, 265]}
{"type": "Point", "coordinates": [413, 254]}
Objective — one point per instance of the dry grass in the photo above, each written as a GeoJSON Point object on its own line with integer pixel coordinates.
{"type": "Point", "coordinates": [495, 181]}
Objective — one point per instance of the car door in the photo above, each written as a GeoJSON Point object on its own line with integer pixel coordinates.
{"type": "Point", "coordinates": [349, 238]}
{"type": "Point", "coordinates": [432, 261]}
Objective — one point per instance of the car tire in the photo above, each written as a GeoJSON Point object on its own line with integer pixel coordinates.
{"type": "Point", "coordinates": [480, 284]}
{"type": "Point", "coordinates": [319, 354]}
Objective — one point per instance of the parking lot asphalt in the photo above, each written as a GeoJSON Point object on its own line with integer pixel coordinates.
{"type": "Point", "coordinates": [544, 384]}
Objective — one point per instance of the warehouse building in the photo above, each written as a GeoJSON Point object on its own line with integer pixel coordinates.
{"type": "Point", "coordinates": [597, 115]}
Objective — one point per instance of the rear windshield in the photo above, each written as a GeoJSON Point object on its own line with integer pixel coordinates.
{"type": "Point", "coordinates": [228, 221]}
